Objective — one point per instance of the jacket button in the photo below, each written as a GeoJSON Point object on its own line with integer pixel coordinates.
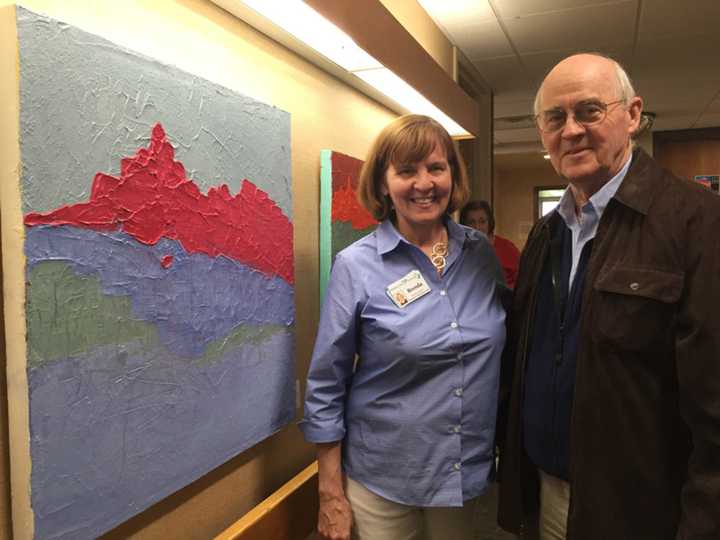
{"type": "Point", "coordinates": [634, 286]}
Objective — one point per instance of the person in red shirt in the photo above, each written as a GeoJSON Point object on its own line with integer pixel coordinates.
{"type": "Point", "coordinates": [479, 215]}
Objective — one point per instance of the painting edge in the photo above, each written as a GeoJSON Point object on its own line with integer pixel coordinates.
{"type": "Point", "coordinates": [325, 219]}
{"type": "Point", "coordinates": [13, 261]}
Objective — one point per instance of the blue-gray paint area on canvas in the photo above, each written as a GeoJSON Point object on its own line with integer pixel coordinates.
{"type": "Point", "coordinates": [86, 103]}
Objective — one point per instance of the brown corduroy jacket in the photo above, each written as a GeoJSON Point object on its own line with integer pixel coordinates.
{"type": "Point", "coordinates": [645, 428]}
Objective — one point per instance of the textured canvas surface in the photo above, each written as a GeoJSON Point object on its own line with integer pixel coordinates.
{"type": "Point", "coordinates": [342, 219]}
{"type": "Point", "coordinates": [159, 276]}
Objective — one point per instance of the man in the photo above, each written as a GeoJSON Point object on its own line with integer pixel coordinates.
{"type": "Point", "coordinates": [613, 357]}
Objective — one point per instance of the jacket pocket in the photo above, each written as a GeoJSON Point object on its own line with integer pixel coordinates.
{"type": "Point", "coordinates": [635, 307]}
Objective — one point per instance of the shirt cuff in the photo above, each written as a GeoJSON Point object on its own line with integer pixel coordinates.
{"type": "Point", "coordinates": [325, 432]}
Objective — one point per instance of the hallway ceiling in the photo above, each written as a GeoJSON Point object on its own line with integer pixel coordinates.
{"type": "Point", "coordinates": [670, 48]}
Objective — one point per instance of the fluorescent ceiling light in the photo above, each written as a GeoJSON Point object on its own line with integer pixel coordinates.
{"type": "Point", "coordinates": [546, 156]}
{"type": "Point", "coordinates": [401, 92]}
{"type": "Point", "coordinates": [457, 12]}
{"type": "Point", "coordinates": [314, 30]}
{"type": "Point", "coordinates": [307, 25]}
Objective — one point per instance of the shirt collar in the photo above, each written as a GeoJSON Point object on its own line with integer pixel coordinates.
{"type": "Point", "coordinates": [598, 201]}
{"type": "Point", "coordinates": [388, 237]}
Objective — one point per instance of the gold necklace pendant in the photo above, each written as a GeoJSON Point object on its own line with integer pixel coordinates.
{"type": "Point", "coordinates": [438, 255]}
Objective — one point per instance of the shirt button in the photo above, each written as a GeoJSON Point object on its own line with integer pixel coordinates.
{"type": "Point", "coordinates": [453, 325]}
{"type": "Point", "coordinates": [456, 429]}
{"type": "Point", "coordinates": [456, 466]}
{"type": "Point", "coordinates": [443, 292]}
{"type": "Point", "coordinates": [634, 286]}
{"type": "Point", "coordinates": [459, 356]}
{"type": "Point", "coordinates": [458, 392]}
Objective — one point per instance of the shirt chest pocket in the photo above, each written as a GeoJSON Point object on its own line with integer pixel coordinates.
{"type": "Point", "coordinates": [634, 308]}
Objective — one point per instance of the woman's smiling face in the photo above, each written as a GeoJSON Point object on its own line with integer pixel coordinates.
{"type": "Point", "coordinates": [420, 192]}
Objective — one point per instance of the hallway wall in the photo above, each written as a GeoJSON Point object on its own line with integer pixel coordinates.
{"type": "Point", "coordinates": [199, 37]}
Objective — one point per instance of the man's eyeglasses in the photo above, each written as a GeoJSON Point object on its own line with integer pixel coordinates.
{"type": "Point", "coordinates": [586, 113]}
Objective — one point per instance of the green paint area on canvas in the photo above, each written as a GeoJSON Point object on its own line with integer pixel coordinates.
{"type": "Point", "coordinates": [243, 335]}
{"type": "Point", "coordinates": [69, 315]}
{"type": "Point", "coordinates": [343, 234]}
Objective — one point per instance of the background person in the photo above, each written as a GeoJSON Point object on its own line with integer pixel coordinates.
{"type": "Point", "coordinates": [613, 337]}
{"type": "Point", "coordinates": [406, 441]}
{"type": "Point", "coordinates": [479, 215]}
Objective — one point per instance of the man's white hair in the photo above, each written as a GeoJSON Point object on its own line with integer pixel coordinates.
{"type": "Point", "coordinates": [625, 88]}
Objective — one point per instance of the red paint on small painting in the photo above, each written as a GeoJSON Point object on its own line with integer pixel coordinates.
{"type": "Point", "coordinates": [166, 261]}
{"type": "Point", "coordinates": [153, 199]}
{"type": "Point", "coordinates": [345, 205]}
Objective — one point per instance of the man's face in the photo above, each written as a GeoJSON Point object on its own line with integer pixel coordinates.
{"type": "Point", "coordinates": [588, 154]}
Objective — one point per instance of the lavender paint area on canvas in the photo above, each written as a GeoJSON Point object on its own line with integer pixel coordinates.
{"type": "Point", "coordinates": [194, 302]}
{"type": "Point", "coordinates": [112, 433]}
{"type": "Point", "coordinates": [117, 426]}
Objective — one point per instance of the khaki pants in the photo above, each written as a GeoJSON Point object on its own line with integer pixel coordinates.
{"type": "Point", "coordinates": [554, 503]}
{"type": "Point", "coordinates": [376, 518]}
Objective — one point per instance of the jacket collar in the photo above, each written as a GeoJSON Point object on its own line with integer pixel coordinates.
{"type": "Point", "coordinates": [639, 187]}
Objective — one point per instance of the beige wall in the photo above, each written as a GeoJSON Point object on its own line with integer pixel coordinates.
{"type": "Point", "coordinates": [199, 37]}
{"type": "Point", "coordinates": [516, 177]}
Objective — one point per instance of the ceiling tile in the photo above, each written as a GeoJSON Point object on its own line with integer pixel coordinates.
{"type": "Point", "coordinates": [484, 39]}
{"type": "Point", "coordinates": [524, 8]}
{"type": "Point", "coordinates": [675, 96]}
{"type": "Point", "coordinates": [678, 19]}
{"type": "Point", "coordinates": [503, 73]}
{"type": "Point", "coordinates": [539, 64]}
{"type": "Point", "coordinates": [584, 29]}
{"type": "Point", "coordinates": [518, 94]}
{"type": "Point", "coordinates": [513, 108]}
{"type": "Point", "coordinates": [673, 61]}
{"type": "Point", "coordinates": [693, 57]}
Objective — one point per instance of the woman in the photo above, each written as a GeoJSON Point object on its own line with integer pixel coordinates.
{"type": "Point", "coordinates": [405, 436]}
{"type": "Point", "coordinates": [479, 215]}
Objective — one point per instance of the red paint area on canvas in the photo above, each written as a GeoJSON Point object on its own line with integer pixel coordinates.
{"type": "Point", "coordinates": [166, 261]}
{"type": "Point", "coordinates": [153, 199]}
{"type": "Point", "coordinates": [345, 206]}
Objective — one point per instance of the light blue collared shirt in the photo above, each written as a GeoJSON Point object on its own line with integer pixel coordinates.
{"type": "Point", "coordinates": [417, 417]}
{"type": "Point", "coordinates": [584, 229]}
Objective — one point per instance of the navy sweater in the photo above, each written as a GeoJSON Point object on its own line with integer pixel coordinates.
{"type": "Point", "coordinates": [552, 358]}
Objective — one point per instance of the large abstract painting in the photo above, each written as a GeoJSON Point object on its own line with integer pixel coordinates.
{"type": "Point", "coordinates": [342, 219]}
{"type": "Point", "coordinates": [159, 276]}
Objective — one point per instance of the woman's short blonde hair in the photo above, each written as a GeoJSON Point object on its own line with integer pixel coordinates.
{"type": "Point", "coordinates": [408, 139]}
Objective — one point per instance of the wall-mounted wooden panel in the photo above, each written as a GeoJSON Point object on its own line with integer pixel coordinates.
{"type": "Point", "coordinates": [688, 153]}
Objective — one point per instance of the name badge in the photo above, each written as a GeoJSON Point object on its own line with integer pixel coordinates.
{"type": "Point", "coordinates": [407, 289]}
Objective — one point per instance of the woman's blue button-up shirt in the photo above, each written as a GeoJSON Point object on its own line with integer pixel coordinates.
{"type": "Point", "coordinates": [417, 414]}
